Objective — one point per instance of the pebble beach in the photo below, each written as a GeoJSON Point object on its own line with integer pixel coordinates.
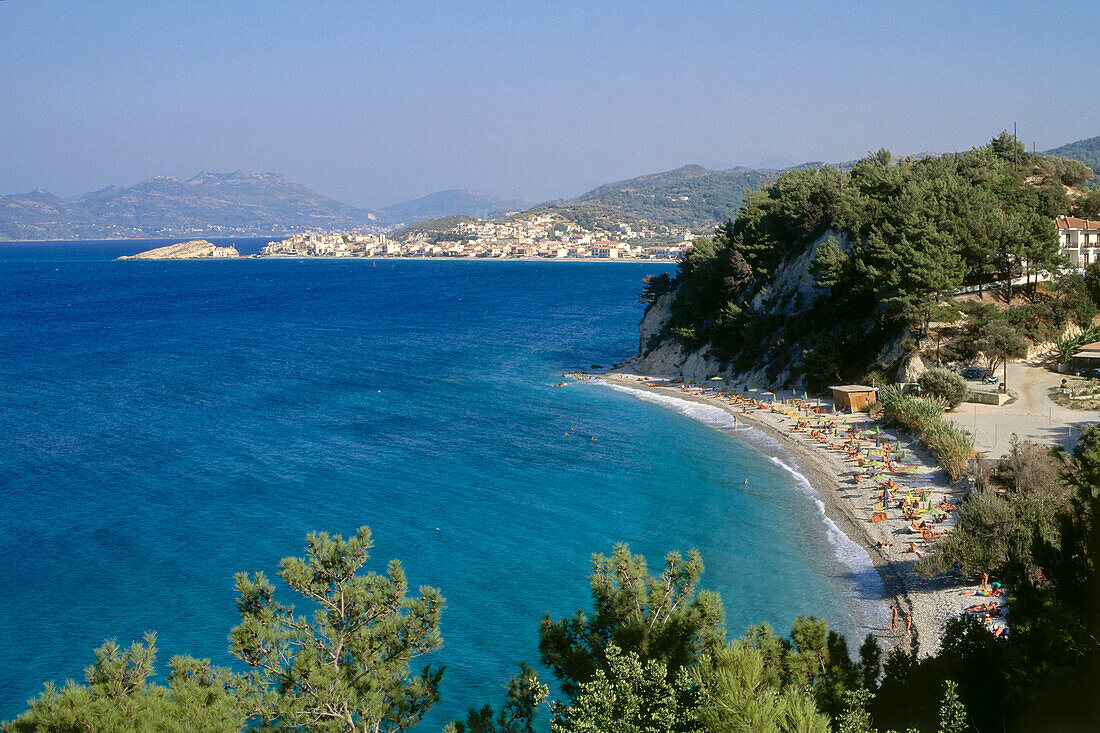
{"type": "Point", "coordinates": [798, 422]}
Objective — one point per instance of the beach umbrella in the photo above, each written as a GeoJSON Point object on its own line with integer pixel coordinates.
{"type": "Point", "coordinates": [936, 512]}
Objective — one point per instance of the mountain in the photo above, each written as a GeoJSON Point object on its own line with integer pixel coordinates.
{"type": "Point", "coordinates": [1087, 151]}
{"type": "Point", "coordinates": [40, 215]}
{"type": "Point", "coordinates": [451, 203]}
{"type": "Point", "coordinates": [691, 196]}
{"type": "Point", "coordinates": [208, 204]}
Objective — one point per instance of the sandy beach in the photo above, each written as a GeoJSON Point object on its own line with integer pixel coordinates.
{"type": "Point", "coordinates": [930, 602]}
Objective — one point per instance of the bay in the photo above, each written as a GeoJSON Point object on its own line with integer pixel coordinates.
{"type": "Point", "coordinates": [167, 424]}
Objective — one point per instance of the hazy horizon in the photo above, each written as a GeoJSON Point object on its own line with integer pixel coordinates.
{"type": "Point", "coordinates": [374, 105]}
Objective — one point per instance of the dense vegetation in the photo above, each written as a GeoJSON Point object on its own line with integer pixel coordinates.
{"type": "Point", "coordinates": [1087, 151]}
{"type": "Point", "coordinates": [651, 654]}
{"type": "Point", "coordinates": [951, 445]}
{"type": "Point", "coordinates": [691, 197]}
{"type": "Point", "coordinates": [884, 245]}
{"type": "Point", "coordinates": [945, 385]}
{"type": "Point", "coordinates": [434, 229]}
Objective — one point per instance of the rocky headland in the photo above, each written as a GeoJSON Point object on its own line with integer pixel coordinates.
{"type": "Point", "coordinates": [197, 249]}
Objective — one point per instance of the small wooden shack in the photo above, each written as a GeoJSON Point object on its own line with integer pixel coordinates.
{"type": "Point", "coordinates": [854, 397]}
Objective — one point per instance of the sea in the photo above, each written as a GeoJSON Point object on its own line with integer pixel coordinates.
{"type": "Point", "coordinates": [167, 424]}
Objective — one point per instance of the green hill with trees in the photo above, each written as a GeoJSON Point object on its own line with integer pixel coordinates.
{"type": "Point", "coordinates": [1087, 151]}
{"type": "Point", "coordinates": [691, 197]}
{"type": "Point", "coordinates": [823, 273]}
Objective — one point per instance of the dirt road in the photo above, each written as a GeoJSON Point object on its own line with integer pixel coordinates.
{"type": "Point", "coordinates": [1033, 416]}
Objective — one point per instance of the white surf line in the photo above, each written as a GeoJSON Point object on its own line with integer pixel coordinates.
{"type": "Point", "coordinates": [868, 587]}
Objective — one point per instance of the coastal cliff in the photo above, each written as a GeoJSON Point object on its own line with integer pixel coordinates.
{"type": "Point", "coordinates": [197, 249]}
{"type": "Point", "coordinates": [791, 291]}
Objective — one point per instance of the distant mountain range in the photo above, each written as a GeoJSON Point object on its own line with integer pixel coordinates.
{"type": "Point", "coordinates": [228, 204]}
{"type": "Point", "coordinates": [452, 203]}
{"type": "Point", "coordinates": [217, 204]}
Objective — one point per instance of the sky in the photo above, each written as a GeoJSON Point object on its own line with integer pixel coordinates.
{"type": "Point", "coordinates": [374, 103]}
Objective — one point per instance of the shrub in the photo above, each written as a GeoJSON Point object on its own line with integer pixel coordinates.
{"type": "Point", "coordinates": [944, 384]}
{"type": "Point", "coordinates": [951, 445]}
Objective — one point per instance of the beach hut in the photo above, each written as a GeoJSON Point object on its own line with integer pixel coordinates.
{"type": "Point", "coordinates": [854, 397]}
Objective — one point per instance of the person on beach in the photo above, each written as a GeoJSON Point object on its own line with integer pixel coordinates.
{"type": "Point", "coordinates": [893, 619]}
{"type": "Point", "coordinates": [908, 624]}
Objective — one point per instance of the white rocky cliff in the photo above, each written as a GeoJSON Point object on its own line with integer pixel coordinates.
{"type": "Point", "coordinates": [197, 249]}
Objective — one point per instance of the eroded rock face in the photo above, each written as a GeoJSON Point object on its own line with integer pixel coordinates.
{"type": "Point", "coordinates": [911, 369]}
{"type": "Point", "coordinates": [194, 250]}
{"type": "Point", "coordinates": [653, 322]}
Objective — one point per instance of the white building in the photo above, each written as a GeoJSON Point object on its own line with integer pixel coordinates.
{"type": "Point", "coordinates": [1079, 240]}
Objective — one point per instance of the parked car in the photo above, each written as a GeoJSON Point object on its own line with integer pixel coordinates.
{"type": "Point", "coordinates": [974, 372]}
{"type": "Point", "coordinates": [1090, 373]}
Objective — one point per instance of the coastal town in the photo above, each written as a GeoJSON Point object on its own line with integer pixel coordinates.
{"type": "Point", "coordinates": [532, 236]}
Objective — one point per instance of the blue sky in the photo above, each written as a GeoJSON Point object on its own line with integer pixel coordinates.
{"type": "Point", "coordinates": [373, 103]}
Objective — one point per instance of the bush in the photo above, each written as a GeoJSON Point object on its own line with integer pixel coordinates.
{"type": "Point", "coordinates": [944, 384]}
{"type": "Point", "coordinates": [951, 445]}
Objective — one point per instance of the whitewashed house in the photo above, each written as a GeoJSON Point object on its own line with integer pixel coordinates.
{"type": "Point", "coordinates": [1079, 240]}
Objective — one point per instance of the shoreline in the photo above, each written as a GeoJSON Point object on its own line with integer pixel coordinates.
{"type": "Point", "coordinates": [932, 601]}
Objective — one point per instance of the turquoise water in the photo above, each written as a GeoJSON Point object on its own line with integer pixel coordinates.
{"type": "Point", "coordinates": [167, 424]}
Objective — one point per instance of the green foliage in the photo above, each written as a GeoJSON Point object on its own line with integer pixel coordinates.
{"type": "Point", "coordinates": [998, 342]}
{"type": "Point", "coordinates": [432, 230]}
{"type": "Point", "coordinates": [893, 242]}
{"type": "Point", "coordinates": [654, 286]}
{"type": "Point", "coordinates": [1067, 347]}
{"type": "Point", "coordinates": [1087, 151]}
{"type": "Point", "coordinates": [870, 662]}
{"type": "Point", "coordinates": [945, 385]}
{"type": "Point", "coordinates": [516, 715]}
{"type": "Point", "coordinates": [997, 531]}
{"type": "Point", "coordinates": [691, 197]}
{"type": "Point", "coordinates": [1076, 299]}
{"type": "Point", "coordinates": [952, 711]}
{"type": "Point", "coordinates": [347, 668]}
{"type": "Point", "coordinates": [627, 695]}
{"type": "Point", "coordinates": [856, 718]}
{"type": "Point", "coordinates": [661, 618]}
{"type": "Point", "coordinates": [740, 694]}
{"type": "Point", "coordinates": [118, 696]}
{"type": "Point", "coordinates": [1088, 205]}
{"type": "Point", "coordinates": [951, 445]}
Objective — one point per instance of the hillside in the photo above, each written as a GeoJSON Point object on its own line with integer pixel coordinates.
{"type": "Point", "coordinates": [824, 273]}
{"type": "Point", "coordinates": [450, 203]}
{"type": "Point", "coordinates": [691, 197]}
{"type": "Point", "coordinates": [209, 204]}
{"type": "Point", "coordinates": [431, 229]}
{"type": "Point", "coordinates": [1087, 151]}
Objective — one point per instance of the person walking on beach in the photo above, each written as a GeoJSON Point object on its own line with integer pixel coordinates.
{"type": "Point", "coordinates": [908, 624]}
{"type": "Point", "coordinates": [893, 619]}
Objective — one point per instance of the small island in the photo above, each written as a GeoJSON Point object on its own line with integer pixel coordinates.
{"type": "Point", "coordinates": [197, 249]}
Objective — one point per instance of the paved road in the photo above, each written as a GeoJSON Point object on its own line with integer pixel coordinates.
{"type": "Point", "coordinates": [1033, 416]}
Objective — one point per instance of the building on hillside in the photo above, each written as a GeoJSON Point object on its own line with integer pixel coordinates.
{"type": "Point", "coordinates": [1088, 357]}
{"type": "Point", "coordinates": [1079, 240]}
{"type": "Point", "coordinates": [854, 397]}
{"type": "Point", "coordinates": [605, 249]}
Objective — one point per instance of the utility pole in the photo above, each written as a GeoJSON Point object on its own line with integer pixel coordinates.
{"type": "Point", "coordinates": [1015, 155]}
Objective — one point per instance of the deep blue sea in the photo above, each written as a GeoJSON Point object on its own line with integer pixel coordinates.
{"type": "Point", "coordinates": [164, 425]}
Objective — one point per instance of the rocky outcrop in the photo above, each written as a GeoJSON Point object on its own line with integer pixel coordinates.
{"type": "Point", "coordinates": [792, 290]}
{"type": "Point", "coordinates": [197, 249]}
{"type": "Point", "coordinates": [911, 368]}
